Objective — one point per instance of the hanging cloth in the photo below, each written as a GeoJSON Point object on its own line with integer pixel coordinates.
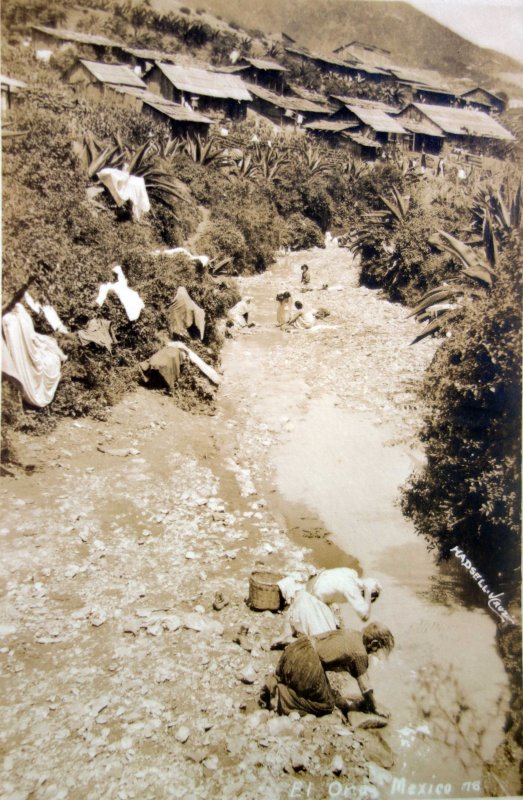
{"type": "Point", "coordinates": [31, 359]}
{"type": "Point", "coordinates": [183, 313]}
{"type": "Point", "coordinates": [131, 300]}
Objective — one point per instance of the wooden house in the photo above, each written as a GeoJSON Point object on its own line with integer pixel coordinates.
{"type": "Point", "coordinates": [364, 53]}
{"type": "Point", "coordinates": [331, 64]}
{"type": "Point", "coordinates": [180, 119]}
{"type": "Point", "coordinates": [433, 126]}
{"type": "Point", "coordinates": [143, 59]}
{"type": "Point", "coordinates": [93, 78]}
{"type": "Point", "coordinates": [482, 100]}
{"type": "Point", "coordinates": [264, 72]}
{"type": "Point", "coordinates": [214, 93]}
{"type": "Point", "coordinates": [11, 89]}
{"type": "Point", "coordinates": [284, 109]}
{"type": "Point", "coordinates": [376, 121]}
{"type": "Point", "coordinates": [47, 40]}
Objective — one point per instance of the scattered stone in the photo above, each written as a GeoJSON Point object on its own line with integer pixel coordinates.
{"type": "Point", "coordinates": [172, 622]}
{"type": "Point", "coordinates": [97, 617]}
{"type": "Point", "coordinates": [120, 452]}
{"type": "Point", "coordinates": [182, 734]}
{"type": "Point", "coordinates": [337, 766]}
{"type": "Point", "coordinates": [299, 761]}
{"type": "Point", "coordinates": [219, 601]}
{"type": "Point", "coordinates": [248, 675]}
{"type": "Point", "coordinates": [197, 755]}
{"type": "Point", "coordinates": [359, 720]}
{"type": "Point", "coordinates": [211, 763]}
{"type": "Point", "coordinates": [131, 626]}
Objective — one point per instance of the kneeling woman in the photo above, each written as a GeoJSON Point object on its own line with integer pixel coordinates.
{"type": "Point", "coordinates": [301, 684]}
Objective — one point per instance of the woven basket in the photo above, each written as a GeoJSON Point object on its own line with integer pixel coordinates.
{"type": "Point", "coordinates": [264, 592]}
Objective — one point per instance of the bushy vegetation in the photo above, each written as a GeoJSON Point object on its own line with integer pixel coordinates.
{"type": "Point", "coordinates": [469, 492]}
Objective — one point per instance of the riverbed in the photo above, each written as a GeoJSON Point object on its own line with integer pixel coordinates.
{"type": "Point", "coordinates": [341, 402]}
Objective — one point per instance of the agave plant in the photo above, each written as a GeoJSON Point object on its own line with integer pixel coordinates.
{"type": "Point", "coordinates": [244, 167]}
{"type": "Point", "coordinates": [169, 148]}
{"type": "Point", "coordinates": [97, 156]}
{"type": "Point", "coordinates": [204, 151]}
{"type": "Point", "coordinates": [315, 161]}
{"type": "Point", "coordinates": [269, 161]}
{"type": "Point", "coordinates": [442, 305]}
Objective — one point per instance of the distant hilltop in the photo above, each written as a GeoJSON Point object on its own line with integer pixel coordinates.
{"type": "Point", "coordinates": [413, 38]}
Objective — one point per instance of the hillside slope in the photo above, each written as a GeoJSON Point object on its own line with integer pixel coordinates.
{"type": "Point", "coordinates": [412, 37]}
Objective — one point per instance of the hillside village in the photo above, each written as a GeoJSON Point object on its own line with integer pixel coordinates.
{"type": "Point", "coordinates": [170, 179]}
{"type": "Point", "coordinates": [423, 112]}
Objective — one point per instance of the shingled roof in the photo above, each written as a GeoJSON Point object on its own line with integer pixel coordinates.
{"type": "Point", "coordinates": [330, 125]}
{"type": "Point", "coordinates": [203, 83]}
{"type": "Point", "coordinates": [116, 74]}
{"type": "Point", "coordinates": [376, 119]}
{"type": "Point", "coordinates": [149, 55]}
{"type": "Point", "coordinates": [361, 102]}
{"type": "Point", "coordinates": [291, 103]}
{"type": "Point", "coordinates": [464, 122]}
{"type": "Point", "coordinates": [173, 110]}
{"type": "Point", "coordinates": [266, 64]}
{"type": "Point", "coordinates": [77, 36]}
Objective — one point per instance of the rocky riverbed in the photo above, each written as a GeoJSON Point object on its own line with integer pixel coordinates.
{"type": "Point", "coordinates": [132, 664]}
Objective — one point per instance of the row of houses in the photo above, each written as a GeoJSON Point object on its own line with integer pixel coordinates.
{"type": "Point", "coordinates": [191, 98]}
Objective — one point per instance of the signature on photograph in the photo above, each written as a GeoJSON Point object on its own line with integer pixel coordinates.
{"type": "Point", "coordinates": [494, 601]}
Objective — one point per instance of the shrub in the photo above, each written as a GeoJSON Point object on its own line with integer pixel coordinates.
{"type": "Point", "coordinates": [469, 494]}
{"type": "Point", "coordinates": [301, 233]}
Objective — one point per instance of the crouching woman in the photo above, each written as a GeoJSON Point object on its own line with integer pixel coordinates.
{"type": "Point", "coordinates": [301, 683]}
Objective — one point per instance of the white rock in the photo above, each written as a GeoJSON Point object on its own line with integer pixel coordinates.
{"type": "Point", "coordinates": [248, 675]}
{"type": "Point", "coordinates": [337, 766]}
{"type": "Point", "coordinates": [211, 763]}
{"type": "Point", "coordinates": [182, 734]}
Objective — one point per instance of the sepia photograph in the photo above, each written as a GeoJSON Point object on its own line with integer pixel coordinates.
{"type": "Point", "coordinates": [261, 399]}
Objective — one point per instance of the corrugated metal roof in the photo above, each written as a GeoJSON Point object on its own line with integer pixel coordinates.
{"type": "Point", "coordinates": [330, 125]}
{"type": "Point", "coordinates": [376, 119]}
{"type": "Point", "coordinates": [77, 36]}
{"type": "Point", "coordinates": [417, 77]}
{"type": "Point", "coordinates": [117, 74]}
{"type": "Point", "coordinates": [485, 91]}
{"type": "Point", "coordinates": [307, 94]}
{"type": "Point", "coordinates": [266, 64]}
{"type": "Point", "coordinates": [12, 83]}
{"type": "Point", "coordinates": [149, 55]}
{"type": "Point", "coordinates": [464, 122]}
{"type": "Point", "coordinates": [208, 84]}
{"type": "Point", "coordinates": [292, 103]}
{"type": "Point", "coordinates": [420, 126]}
{"type": "Point", "coordinates": [359, 101]}
{"type": "Point", "coordinates": [364, 141]}
{"type": "Point", "coordinates": [172, 110]}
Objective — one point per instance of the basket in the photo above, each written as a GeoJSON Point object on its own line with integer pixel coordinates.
{"type": "Point", "coordinates": [264, 592]}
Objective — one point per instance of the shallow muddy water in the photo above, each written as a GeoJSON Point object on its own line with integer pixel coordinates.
{"type": "Point", "coordinates": [340, 404]}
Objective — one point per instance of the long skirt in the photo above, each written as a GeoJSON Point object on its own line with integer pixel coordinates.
{"type": "Point", "coordinates": [303, 685]}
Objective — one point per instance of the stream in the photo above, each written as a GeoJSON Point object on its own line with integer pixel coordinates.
{"type": "Point", "coordinates": [326, 421]}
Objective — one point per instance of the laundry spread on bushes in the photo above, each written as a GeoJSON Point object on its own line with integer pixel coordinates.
{"type": "Point", "coordinates": [98, 331]}
{"type": "Point", "coordinates": [184, 313]}
{"type": "Point", "coordinates": [48, 311]}
{"type": "Point", "coordinates": [173, 251]}
{"type": "Point", "coordinates": [31, 359]}
{"type": "Point", "coordinates": [129, 298]}
{"type": "Point", "coordinates": [168, 360]}
{"type": "Point", "coordinates": [123, 187]}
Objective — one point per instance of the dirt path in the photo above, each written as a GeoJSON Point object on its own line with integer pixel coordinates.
{"type": "Point", "coordinates": [120, 679]}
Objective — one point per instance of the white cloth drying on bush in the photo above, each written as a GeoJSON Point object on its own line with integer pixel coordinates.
{"type": "Point", "coordinates": [310, 616]}
{"type": "Point", "coordinates": [123, 186]}
{"type": "Point", "coordinates": [48, 311]}
{"type": "Point", "coordinates": [343, 585]}
{"type": "Point", "coordinates": [31, 359]}
{"type": "Point", "coordinates": [173, 251]}
{"type": "Point", "coordinates": [197, 361]}
{"type": "Point", "coordinates": [129, 298]}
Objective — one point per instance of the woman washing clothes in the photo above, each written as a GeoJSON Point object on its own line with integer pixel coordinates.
{"type": "Point", "coordinates": [283, 308]}
{"type": "Point", "coordinates": [301, 684]}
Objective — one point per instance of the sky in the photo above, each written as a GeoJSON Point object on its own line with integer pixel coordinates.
{"type": "Point", "coordinates": [489, 23]}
